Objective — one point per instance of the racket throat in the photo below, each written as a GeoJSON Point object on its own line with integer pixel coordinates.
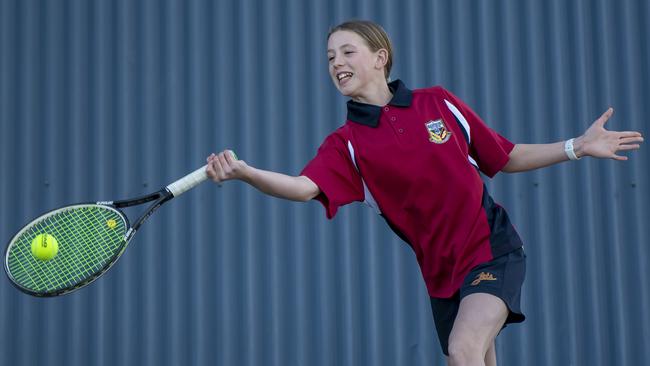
{"type": "Point", "coordinates": [154, 206]}
{"type": "Point", "coordinates": [129, 234]}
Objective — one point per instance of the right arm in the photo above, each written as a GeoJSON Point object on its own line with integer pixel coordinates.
{"type": "Point", "coordinates": [223, 166]}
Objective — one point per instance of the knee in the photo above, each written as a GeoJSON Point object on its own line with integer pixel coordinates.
{"type": "Point", "coordinates": [465, 352]}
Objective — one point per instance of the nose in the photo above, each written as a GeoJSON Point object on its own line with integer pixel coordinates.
{"type": "Point", "coordinates": [337, 61]}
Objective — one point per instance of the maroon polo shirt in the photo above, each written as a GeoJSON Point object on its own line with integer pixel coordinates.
{"type": "Point", "coordinates": [416, 161]}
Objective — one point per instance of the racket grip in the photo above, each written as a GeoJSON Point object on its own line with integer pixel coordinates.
{"type": "Point", "coordinates": [188, 182]}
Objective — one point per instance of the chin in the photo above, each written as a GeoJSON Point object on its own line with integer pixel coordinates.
{"type": "Point", "coordinates": [346, 94]}
{"type": "Point", "coordinates": [345, 91]}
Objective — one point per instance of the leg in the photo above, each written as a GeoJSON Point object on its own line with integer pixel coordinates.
{"type": "Point", "coordinates": [480, 318]}
{"type": "Point", "coordinates": [491, 356]}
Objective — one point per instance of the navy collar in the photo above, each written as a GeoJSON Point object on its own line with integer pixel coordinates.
{"type": "Point", "coordinates": [368, 114]}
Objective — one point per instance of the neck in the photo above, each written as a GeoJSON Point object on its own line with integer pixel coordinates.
{"type": "Point", "coordinates": [378, 94]}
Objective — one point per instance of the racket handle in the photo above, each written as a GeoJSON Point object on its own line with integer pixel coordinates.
{"type": "Point", "coordinates": [188, 182]}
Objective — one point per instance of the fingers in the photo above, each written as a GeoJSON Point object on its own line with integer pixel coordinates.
{"type": "Point", "coordinates": [630, 140]}
{"type": "Point", "coordinates": [215, 168]}
{"type": "Point", "coordinates": [230, 156]}
{"type": "Point", "coordinates": [223, 166]}
{"type": "Point", "coordinates": [211, 168]}
{"type": "Point", "coordinates": [633, 136]}
{"type": "Point", "coordinates": [629, 147]}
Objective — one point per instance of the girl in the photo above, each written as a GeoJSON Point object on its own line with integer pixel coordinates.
{"type": "Point", "coordinates": [415, 156]}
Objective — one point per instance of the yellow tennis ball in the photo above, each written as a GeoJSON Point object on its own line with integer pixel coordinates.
{"type": "Point", "coordinates": [44, 247]}
{"type": "Point", "coordinates": [111, 223]}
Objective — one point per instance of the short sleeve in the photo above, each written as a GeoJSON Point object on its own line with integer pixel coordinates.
{"type": "Point", "coordinates": [489, 149]}
{"type": "Point", "coordinates": [333, 171]}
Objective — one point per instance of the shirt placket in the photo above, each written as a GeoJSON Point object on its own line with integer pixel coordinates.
{"type": "Point", "coordinates": [394, 121]}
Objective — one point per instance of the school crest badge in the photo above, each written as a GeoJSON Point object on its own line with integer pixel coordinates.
{"type": "Point", "coordinates": [438, 132]}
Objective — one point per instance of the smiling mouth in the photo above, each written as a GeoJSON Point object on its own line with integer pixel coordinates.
{"type": "Point", "coordinates": [343, 76]}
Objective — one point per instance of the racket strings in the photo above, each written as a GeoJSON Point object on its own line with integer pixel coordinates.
{"type": "Point", "coordinates": [89, 237]}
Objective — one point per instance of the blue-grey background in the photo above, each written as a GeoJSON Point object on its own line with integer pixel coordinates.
{"type": "Point", "coordinates": [111, 99]}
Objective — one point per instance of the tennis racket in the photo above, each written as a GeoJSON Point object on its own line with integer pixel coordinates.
{"type": "Point", "coordinates": [90, 238]}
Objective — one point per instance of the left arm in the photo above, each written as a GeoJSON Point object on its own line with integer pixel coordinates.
{"type": "Point", "coordinates": [596, 142]}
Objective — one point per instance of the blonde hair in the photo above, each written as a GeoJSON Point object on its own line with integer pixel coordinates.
{"type": "Point", "coordinates": [374, 35]}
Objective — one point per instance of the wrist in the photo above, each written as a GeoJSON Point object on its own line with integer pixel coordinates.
{"type": "Point", "coordinates": [570, 148]}
{"type": "Point", "coordinates": [248, 174]}
{"type": "Point", "coordinates": [578, 147]}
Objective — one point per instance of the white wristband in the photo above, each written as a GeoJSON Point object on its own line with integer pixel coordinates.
{"type": "Point", "coordinates": [568, 149]}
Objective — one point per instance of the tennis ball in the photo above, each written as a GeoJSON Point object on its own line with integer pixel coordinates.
{"type": "Point", "coordinates": [44, 247]}
{"type": "Point", "coordinates": [111, 223]}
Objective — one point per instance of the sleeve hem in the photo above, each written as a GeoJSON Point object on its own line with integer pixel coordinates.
{"type": "Point", "coordinates": [502, 162]}
{"type": "Point", "coordinates": [322, 197]}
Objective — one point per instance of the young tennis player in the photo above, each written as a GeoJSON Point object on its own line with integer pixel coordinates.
{"type": "Point", "coordinates": [415, 157]}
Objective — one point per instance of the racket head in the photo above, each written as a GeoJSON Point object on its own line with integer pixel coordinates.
{"type": "Point", "coordinates": [90, 236]}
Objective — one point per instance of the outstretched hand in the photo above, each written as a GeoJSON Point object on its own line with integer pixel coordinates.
{"type": "Point", "coordinates": [601, 143]}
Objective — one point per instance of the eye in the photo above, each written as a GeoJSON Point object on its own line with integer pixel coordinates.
{"type": "Point", "coordinates": [348, 52]}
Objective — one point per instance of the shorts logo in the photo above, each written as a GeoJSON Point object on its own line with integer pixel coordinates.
{"type": "Point", "coordinates": [484, 276]}
{"type": "Point", "coordinates": [438, 132]}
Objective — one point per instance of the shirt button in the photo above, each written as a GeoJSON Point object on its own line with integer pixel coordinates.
{"type": "Point", "coordinates": [386, 109]}
{"type": "Point", "coordinates": [393, 119]}
{"type": "Point", "coordinates": [401, 130]}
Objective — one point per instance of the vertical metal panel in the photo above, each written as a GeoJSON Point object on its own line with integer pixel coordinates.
{"type": "Point", "coordinates": [103, 100]}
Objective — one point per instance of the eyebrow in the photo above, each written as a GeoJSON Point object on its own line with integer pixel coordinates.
{"type": "Point", "coordinates": [345, 45]}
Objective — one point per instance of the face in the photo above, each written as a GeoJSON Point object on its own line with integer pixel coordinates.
{"type": "Point", "coordinates": [353, 67]}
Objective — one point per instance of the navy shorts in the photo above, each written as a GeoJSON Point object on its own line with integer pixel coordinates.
{"type": "Point", "coordinates": [501, 277]}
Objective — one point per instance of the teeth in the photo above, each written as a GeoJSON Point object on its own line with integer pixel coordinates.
{"type": "Point", "coordinates": [344, 75]}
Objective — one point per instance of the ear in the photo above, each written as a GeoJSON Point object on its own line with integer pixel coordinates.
{"type": "Point", "coordinates": [381, 58]}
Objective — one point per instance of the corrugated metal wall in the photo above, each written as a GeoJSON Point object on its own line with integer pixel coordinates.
{"type": "Point", "coordinates": [111, 99]}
